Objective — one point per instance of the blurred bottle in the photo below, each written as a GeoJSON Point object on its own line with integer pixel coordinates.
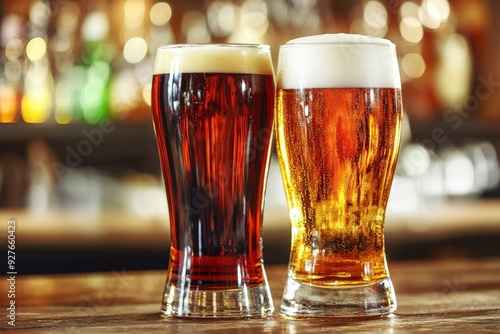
{"type": "Point", "coordinates": [68, 78]}
{"type": "Point", "coordinates": [38, 83]}
{"type": "Point", "coordinates": [36, 106]}
{"type": "Point", "coordinates": [41, 175]}
{"type": "Point", "coordinates": [10, 101]}
{"type": "Point", "coordinates": [92, 100]}
{"type": "Point", "coordinates": [134, 63]}
{"type": "Point", "coordinates": [11, 82]}
{"type": "Point", "coordinates": [454, 65]}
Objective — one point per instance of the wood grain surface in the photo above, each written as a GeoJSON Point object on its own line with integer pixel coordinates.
{"type": "Point", "coordinates": [450, 296]}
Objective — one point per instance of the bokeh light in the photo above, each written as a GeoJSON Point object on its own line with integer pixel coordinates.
{"type": "Point", "coordinates": [14, 49]}
{"type": "Point", "coordinates": [134, 13]}
{"type": "Point", "coordinates": [135, 50]}
{"type": "Point", "coordinates": [411, 29]}
{"type": "Point", "coordinates": [11, 28]}
{"type": "Point", "coordinates": [433, 12]}
{"type": "Point", "coordinates": [413, 65]}
{"type": "Point", "coordinates": [160, 13]}
{"type": "Point", "coordinates": [254, 17]}
{"type": "Point", "coordinates": [375, 19]}
{"type": "Point", "coordinates": [40, 13]}
{"type": "Point", "coordinates": [409, 9]}
{"type": "Point", "coordinates": [36, 49]}
{"type": "Point", "coordinates": [13, 70]}
{"type": "Point", "coordinates": [146, 94]}
{"type": "Point", "coordinates": [95, 27]}
{"type": "Point", "coordinates": [459, 173]}
{"type": "Point", "coordinates": [222, 17]}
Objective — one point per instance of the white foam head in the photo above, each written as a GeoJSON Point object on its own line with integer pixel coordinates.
{"type": "Point", "coordinates": [338, 60]}
{"type": "Point", "coordinates": [213, 58]}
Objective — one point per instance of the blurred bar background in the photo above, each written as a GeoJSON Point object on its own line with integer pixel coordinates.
{"type": "Point", "coordinates": [79, 169]}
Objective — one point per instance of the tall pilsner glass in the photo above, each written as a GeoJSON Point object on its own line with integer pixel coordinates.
{"type": "Point", "coordinates": [213, 118]}
{"type": "Point", "coordinates": [338, 119]}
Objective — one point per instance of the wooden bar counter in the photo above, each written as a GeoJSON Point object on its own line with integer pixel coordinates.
{"type": "Point", "coordinates": [458, 295]}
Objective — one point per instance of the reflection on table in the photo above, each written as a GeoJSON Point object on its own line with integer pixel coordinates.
{"type": "Point", "coordinates": [434, 295]}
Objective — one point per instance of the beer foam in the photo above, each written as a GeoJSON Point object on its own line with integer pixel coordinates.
{"type": "Point", "coordinates": [213, 58]}
{"type": "Point", "coordinates": [338, 60]}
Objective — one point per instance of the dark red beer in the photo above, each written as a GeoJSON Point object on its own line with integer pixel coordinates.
{"type": "Point", "coordinates": [213, 133]}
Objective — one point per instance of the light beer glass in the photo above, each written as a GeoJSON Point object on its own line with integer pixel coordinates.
{"type": "Point", "coordinates": [213, 118]}
{"type": "Point", "coordinates": [338, 119]}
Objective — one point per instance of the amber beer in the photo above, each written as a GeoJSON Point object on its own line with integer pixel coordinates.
{"type": "Point", "coordinates": [341, 179]}
{"type": "Point", "coordinates": [213, 117]}
{"type": "Point", "coordinates": [338, 134]}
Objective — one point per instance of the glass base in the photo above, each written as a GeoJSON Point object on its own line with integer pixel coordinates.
{"type": "Point", "coordinates": [305, 300]}
{"type": "Point", "coordinates": [235, 303]}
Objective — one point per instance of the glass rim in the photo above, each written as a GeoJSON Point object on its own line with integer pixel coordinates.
{"type": "Point", "coordinates": [213, 45]}
{"type": "Point", "coordinates": [339, 40]}
{"type": "Point", "coordinates": [337, 44]}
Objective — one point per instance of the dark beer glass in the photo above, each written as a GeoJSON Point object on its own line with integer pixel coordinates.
{"type": "Point", "coordinates": [213, 118]}
{"type": "Point", "coordinates": [338, 119]}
